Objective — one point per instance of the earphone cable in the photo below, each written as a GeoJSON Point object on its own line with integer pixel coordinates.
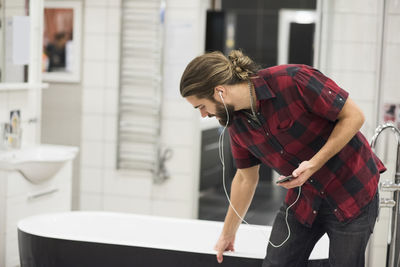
{"type": "Point", "coordinates": [222, 159]}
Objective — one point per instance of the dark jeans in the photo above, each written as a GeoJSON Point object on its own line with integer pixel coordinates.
{"type": "Point", "coordinates": [347, 240]}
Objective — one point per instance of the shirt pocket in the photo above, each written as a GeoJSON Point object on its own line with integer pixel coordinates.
{"type": "Point", "coordinates": [283, 132]}
{"type": "Point", "coordinates": [292, 135]}
{"type": "Point", "coordinates": [285, 125]}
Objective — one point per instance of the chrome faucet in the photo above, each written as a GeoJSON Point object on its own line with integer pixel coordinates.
{"type": "Point", "coordinates": [393, 258]}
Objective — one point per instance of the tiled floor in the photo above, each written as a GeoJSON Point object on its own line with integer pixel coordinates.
{"type": "Point", "coordinates": [266, 202]}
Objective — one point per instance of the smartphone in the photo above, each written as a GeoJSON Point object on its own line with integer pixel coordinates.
{"type": "Point", "coordinates": [287, 178]}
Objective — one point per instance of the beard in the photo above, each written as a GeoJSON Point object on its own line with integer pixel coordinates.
{"type": "Point", "coordinates": [222, 115]}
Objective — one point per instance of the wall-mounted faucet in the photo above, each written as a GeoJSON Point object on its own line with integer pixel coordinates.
{"type": "Point", "coordinates": [392, 259]}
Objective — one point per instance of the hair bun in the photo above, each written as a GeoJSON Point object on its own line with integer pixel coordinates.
{"type": "Point", "coordinates": [241, 64]}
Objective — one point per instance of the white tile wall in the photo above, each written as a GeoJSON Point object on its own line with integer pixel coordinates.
{"type": "Point", "coordinates": [394, 7]}
{"type": "Point", "coordinates": [95, 19]}
{"type": "Point", "coordinates": [127, 204]}
{"type": "Point", "coordinates": [111, 105]}
{"type": "Point", "coordinates": [112, 71]}
{"type": "Point", "coordinates": [351, 57]}
{"type": "Point", "coordinates": [110, 128]}
{"type": "Point", "coordinates": [391, 77]}
{"type": "Point", "coordinates": [178, 138]}
{"type": "Point", "coordinates": [90, 178]}
{"type": "Point", "coordinates": [97, 3]}
{"type": "Point", "coordinates": [360, 84]}
{"type": "Point", "coordinates": [356, 6]}
{"type": "Point", "coordinates": [94, 47]}
{"type": "Point", "coordinates": [368, 108]}
{"type": "Point", "coordinates": [92, 100]}
{"type": "Point", "coordinates": [135, 191]}
{"type": "Point", "coordinates": [171, 83]}
{"type": "Point", "coordinates": [176, 108]}
{"type": "Point", "coordinates": [91, 154]}
{"type": "Point", "coordinates": [92, 127]}
{"type": "Point", "coordinates": [91, 201]}
{"type": "Point", "coordinates": [114, 3]}
{"type": "Point", "coordinates": [354, 27]}
{"type": "Point", "coordinates": [113, 20]}
{"type": "Point", "coordinates": [128, 184]}
{"type": "Point", "coordinates": [99, 99]}
{"type": "Point", "coordinates": [393, 26]}
{"type": "Point", "coordinates": [113, 46]}
{"type": "Point", "coordinates": [178, 188]}
{"type": "Point", "coordinates": [171, 208]}
{"type": "Point", "coordinates": [93, 73]}
{"type": "Point", "coordinates": [184, 5]}
{"type": "Point", "coordinates": [176, 165]}
{"type": "Point", "coordinates": [110, 155]}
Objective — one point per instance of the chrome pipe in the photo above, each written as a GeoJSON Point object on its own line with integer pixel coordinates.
{"type": "Point", "coordinates": [387, 203]}
{"type": "Point", "coordinates": [380, 129]}
{"type": "Point", "coordinates": [389, 186]}
{"type": "Point", "coordinates": [393, 238]}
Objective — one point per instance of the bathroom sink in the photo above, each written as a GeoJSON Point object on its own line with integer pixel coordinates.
{"type": "Point", "coordinates": [37, 163]}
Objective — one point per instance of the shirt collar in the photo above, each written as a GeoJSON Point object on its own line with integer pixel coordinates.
{"type": "Point", "coordinates": [263, 91]}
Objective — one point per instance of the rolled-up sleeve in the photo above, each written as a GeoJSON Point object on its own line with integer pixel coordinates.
{"type": "Point", "coordinates": [321, 95]}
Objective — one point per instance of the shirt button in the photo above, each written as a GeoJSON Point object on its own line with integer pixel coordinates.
{"type": "Point", "coordinates": [330, 92]}
{"type": "Point", "coordinates": [341, 99]}
{"type": "Point", "coordinates": [314, 211]}
{"type": "Point", "coordinates": [267, 134]}
{"type": "Point", "coordinates": [322, 192]}
{"type": "Point", "coordinates": [335, 210]}
{"type": "Point", "coordinates": [281, 151]}
{"type": "Point", "coordinates": [258, 113]}
{"type": "Point", "coordinates": [311, 180]}
{"type": "Point", "coordinates": [248, 121]}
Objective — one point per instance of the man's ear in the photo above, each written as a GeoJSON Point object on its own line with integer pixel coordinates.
{"type": "Point", "coordinates": [219, 92]}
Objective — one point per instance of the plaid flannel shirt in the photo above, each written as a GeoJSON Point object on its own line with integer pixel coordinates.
{"type": "Point", "coordinates": [297, 107]}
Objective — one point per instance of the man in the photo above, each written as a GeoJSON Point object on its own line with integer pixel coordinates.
{"type": "Point", "coordinates": [300, 123]}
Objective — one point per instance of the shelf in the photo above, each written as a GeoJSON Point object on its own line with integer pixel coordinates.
{"type": "Point", "coordinates": [22, 86]}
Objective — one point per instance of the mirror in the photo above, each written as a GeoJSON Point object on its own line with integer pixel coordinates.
{"type": "Point", "coordinates": [61, 41]}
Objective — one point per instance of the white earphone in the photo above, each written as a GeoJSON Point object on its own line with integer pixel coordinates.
{"type": "Point", "coordinates": [220, 95]}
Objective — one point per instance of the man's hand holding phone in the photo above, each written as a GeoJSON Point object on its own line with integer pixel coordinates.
{"type": "Point", "coordinates": [285, 179]}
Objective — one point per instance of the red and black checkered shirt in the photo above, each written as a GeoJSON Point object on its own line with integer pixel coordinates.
{"type": "Point", "coordinates": [297, 109]}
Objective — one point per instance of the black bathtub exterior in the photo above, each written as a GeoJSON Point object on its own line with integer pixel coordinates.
{"type": "Point", "coordinates": [38, 251]}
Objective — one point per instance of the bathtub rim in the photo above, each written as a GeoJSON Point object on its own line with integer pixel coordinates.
{"type": "Point", "coordinates": [23, 225]}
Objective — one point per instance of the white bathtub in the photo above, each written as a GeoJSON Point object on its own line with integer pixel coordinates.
{"type": "Point", "coordinates": [117, 231]}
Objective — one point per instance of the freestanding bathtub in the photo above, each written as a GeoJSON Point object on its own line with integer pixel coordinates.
{"type": "Point", "coordinates": [98, 239]}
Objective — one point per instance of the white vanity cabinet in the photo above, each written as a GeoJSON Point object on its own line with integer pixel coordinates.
{"type": "Point", "coordinates": [21, 198]}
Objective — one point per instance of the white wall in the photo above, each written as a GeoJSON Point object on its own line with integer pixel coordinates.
{"type": "Point", "coordinates": [102, 186]}
{"type": "Point", "coordinates": [99, 99]}
{"type": "Point", "coordinates": [349, 51]}
{"type": "Point", "coordinates": [350, 54]}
